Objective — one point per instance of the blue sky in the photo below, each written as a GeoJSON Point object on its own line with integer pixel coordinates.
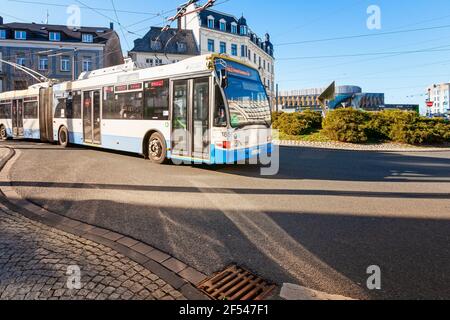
{"type": "Point", "coordinates": [403, 77]}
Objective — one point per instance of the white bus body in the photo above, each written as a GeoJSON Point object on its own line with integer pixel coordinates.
{"type": "Point", "coordinates": [122, 108]}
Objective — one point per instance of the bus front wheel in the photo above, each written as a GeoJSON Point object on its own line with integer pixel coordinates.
{"type": "Point", "coordinates": [157, 149]}
{"type": "Point", "coordinates": [63, 137]}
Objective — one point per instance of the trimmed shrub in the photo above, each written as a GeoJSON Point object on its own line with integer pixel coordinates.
{"type": "Point", "coordinates": [298, 123]}
{"type": "Point", "coordinates": [346, 125]}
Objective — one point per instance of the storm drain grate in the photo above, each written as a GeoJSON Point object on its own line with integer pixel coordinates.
{"type": "Point", "coordinates": [236, 283]}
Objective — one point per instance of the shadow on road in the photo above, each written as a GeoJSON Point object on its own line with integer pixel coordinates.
{"type": "Point", "coordinates": [338, 165]}
{"type": "Point", "coordinates": [241, 191]}
{"type": "Point", "coordinates": [323, 251]}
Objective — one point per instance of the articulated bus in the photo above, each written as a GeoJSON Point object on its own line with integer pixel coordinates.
{"type": "Point", "coordinates": [206, 109]}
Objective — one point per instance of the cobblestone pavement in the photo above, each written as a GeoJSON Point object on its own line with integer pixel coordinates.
{"type": "Point", "coordinates": [34, 262]}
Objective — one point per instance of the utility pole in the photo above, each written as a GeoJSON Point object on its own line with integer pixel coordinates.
{"type": "Point", "coordinates": [73, 64]}
{"type": "Point", "coordinates": [276, 99]}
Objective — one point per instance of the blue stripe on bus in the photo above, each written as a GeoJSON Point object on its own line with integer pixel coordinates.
{"type": "Point", "coordinates": [223, 156]}
{"type": "Point", "coordinates": [218, 155]}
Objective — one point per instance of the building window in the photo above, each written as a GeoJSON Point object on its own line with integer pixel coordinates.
{"type": "Point", "coordinates": [2, 34]}
{"type": "Point", "coordinates": [20, 61]}
{"type": "Point", "coordinates": [249, 54]}
{"type": "Point", "coordinates": [158, 62]}
{"type": "Point", "coordinates": [264, 64]}
{"type": "Point", "coordinates": [211, 45]}
{"type": "Point", "coordinates": [20, 35]}
{"type": "Point", "coordinates": [87, 64]}
{"type": "Point", "coordinates": [54, 36]}
{"type": "Point", "coordinates": [223, 47]}
{"type": "Point", "coordinates": [156, 45]}
{"type": "Point", "coordinates": [243, 51]}
{"type": "Point", "coordinates": [182, 47]}
{"type": "Point", "coordinates": [223, 25]}
{"type": "Point", "coordinates": [254, 58]}
{"type": "Point", "coordinates": [211, 22]}
{"type": "Point", "coordinates": [234, 28]}
{"type": "Point", "coordinates": [86, 37]}
{"type": "Point", "coordinates": [234, 50]}
{"type": "Point", "coordinates": [243, 30]}
{"type": "Point", "coordinates": [65, 64]}
{"type": "Point", "coordinates": [149, 62]}
{"type": "Point", "coordinates": [43, 63]}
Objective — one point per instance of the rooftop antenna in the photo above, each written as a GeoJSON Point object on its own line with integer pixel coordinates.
{"type": "Point", "coordinates": [48, 16]}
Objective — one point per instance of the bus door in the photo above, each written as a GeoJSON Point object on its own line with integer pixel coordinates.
{"type": "Point", "coordinates": [191, 118]}
{"type": "Point", "coordinates": [92, 116]}
{"type": "Point", "coordinates": [17, 118]}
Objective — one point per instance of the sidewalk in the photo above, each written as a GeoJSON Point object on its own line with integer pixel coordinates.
{"type": "Point", "coordinates": [34, 262]}
{"type": "Point", "coordinates": [37, 263]}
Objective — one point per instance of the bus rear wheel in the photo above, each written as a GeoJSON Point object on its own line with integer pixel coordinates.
{"type": "Point", "coordinates": [3, 134]}
{"type": "Point", "coordinates": [157, 149]}
{"type": "Point", "coordinates": [63, 137]}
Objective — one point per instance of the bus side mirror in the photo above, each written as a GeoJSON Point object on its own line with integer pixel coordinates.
{"type": "Point", "coordinates": [223, 78]}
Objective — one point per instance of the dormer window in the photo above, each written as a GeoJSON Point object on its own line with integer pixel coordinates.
{"type": "Point", "coordinates": [54, 36]}
{"type": "Point", "coordinates": [211, 22]}
{"type": "Point", "coordinates": [223, 25]}
{"type": "Point", "coordinates": [182, 47]}
{"type": "Point", "coordinates": [234, 28]}
{"type": "Point", "coordinates": [244, 30]}
{"type": "Point", "coordinates": [20, 35]}
{"type": "Point", "coordinates": [156, 45]}
{"type": "Point", "coordinates": [87, 38]}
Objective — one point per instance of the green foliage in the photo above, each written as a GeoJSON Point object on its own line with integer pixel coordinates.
{"type": "Point", "coordinates": [354, 126]}
{"type": "Point", "coordinates": [407, 127]}
{"type": "Point", "coordinates": [346, 125]}
{"type": "Point", "coordinates": [298, 123]}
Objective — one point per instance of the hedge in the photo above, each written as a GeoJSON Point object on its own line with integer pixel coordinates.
{"type": "Point", "coordinates": [346, 125]}
{"type": "Point", "coordinates": [349, 125]}
{"type": "Point", "coordinates": [298, 123]}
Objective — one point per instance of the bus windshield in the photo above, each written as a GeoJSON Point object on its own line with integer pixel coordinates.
{"type": "Point", "coordinates": [247, 98]}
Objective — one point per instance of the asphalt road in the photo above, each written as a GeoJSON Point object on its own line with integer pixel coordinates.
{"type": "Point", "coordinates": [321, 222]}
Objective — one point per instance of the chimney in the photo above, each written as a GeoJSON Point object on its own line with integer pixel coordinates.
{"type": "Point", "coordinates": [1, 20]}
{"type": "Point", "coordinates": [179, 24]}
{"type": "Point", "coordinates": [111, 25]}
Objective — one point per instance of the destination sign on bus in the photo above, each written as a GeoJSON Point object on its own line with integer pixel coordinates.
{"type": "Point", "coordinates": [135, 86]}
{"type": "Point", "coordinates": [121, 88]}
{"type": "Point", "coordinates": [157, 84]}
{"type": "Point", "coordinates": [236, 69]}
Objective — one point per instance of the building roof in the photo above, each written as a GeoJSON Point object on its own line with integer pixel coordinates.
{"type": "Point", "coordinates": [172, 41]}
{"type": "Point", "coordinates": [264, 44]}
{"type": "Point", "coordinates": [40, 32]}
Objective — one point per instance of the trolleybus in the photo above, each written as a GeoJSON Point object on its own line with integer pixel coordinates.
{"type": "Point", "coordinates": [206, 109]}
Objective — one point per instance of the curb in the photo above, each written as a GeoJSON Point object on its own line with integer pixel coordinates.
{"type": "Point", "coordinates": [356, 148]}
{"type": "Point", "coordinates": [174, 272]}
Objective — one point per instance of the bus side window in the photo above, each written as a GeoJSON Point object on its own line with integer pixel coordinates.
{"type": "Point", "coordinates": [156, 102]}
{"type": "Point", "coordinates": [76, 105]}
{"type": "Point", "coordinates": [69, 106]}
{"type": "Point", "coordinates": [60, 110]}
{"type": "Point", "coordinates": [220, 115]}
